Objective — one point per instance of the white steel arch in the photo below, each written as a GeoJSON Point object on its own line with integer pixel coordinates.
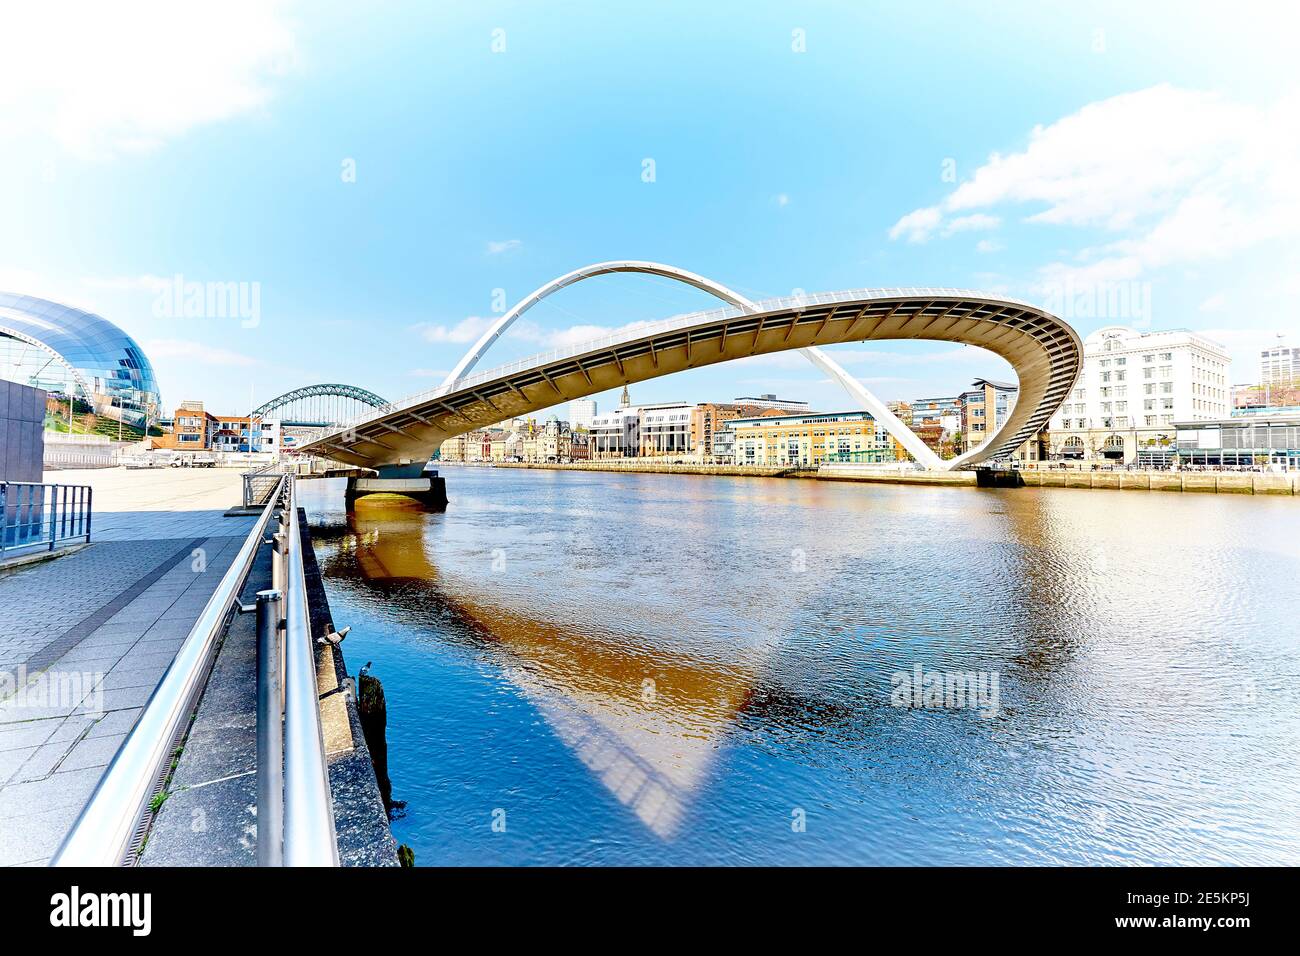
{"type": "Point", "coordinates": [879, 411]}
{"type": "Point", "coordinates": [578, 275]}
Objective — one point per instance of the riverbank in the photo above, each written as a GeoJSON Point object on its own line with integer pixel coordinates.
{"type": "Point", "coordinates": [656, 467]}
{"type": "Point", "coordinates": [1227, 482]}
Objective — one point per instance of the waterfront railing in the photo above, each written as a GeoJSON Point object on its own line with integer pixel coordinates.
{"type": "Point", "coordinates": [261, 484]}
{"type": "Point", "coordinates": [36, 516]}
{"type": "Point", "coordinates": [298, 825]}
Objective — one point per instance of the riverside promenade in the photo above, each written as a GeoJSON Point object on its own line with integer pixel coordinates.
{"type": "Point", "coordinates": [86, 635]}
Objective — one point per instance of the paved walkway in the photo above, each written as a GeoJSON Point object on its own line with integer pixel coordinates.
{"type": "Point", "coordinates": [92, 633]}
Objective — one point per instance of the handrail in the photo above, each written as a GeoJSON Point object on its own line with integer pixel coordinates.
{"type": "Point", "coordinates": [309, 837]}
{"type": "Point", "coordinates": [42, 514]}
{"type": "Point", "coordinates": [266, 472]}
{"type": "Point", "coordinates": [104, 831]}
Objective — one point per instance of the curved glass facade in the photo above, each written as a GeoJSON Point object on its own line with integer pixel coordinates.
{"type": "Point", "coordinates": [84, 361]}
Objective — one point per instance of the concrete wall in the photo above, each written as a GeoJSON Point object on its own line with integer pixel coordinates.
{"type": "Point", "coordinates": [22, 432]}
{"type": "Point", "coordinates": [887, 476]}
{"type": "Point", "coordinates": [1224, 483]}
{"type": "Point", "coordinates": [80, 451]}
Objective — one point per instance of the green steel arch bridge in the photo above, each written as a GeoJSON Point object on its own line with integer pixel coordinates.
{"type": "Point", "coordinates": [321, 406]}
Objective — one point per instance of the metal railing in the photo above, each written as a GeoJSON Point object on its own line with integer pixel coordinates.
{"type": "Point", "coordinates": [35, 515]}
{"type": "Point", "coordinates": [308, 827]}
{"type": "Point", "coordinates": [109, 828]}
{"type": "Point", "coordinates": [261, 484]}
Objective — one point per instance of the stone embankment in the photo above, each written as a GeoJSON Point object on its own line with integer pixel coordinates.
{"type": "Point", "coordinates": [1221, 482]}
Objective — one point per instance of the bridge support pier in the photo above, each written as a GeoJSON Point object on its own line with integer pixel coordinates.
{"type": "Point", "coordinates": [429, 489]}
{"type": "Point", "coordinates": [998, 478]}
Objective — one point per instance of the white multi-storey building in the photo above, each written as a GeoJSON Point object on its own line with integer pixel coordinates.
{"type": "Point", "coordinates": [1134, 386]}
{"type": "Point", "coordinates": [1279, 365]}
{"type": "Point", "coordinates": [769, 400]}
{"type": "Point", "coordinates": [616, 434]}
{"type": "Point", "coordinates": [581, 412]}
{"type": "Point", "coordinates": [632, 430]}
{"type": "Point", "coordinates": [665, 429]}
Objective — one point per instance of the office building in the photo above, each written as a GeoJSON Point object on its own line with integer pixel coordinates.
{"type": "Point", "coordinates": [1133, 388]}
{"type": "Point", "coordinates": [810, 440]}
{"type": "Point", "coordinates": [581, 412]}
{"type": "Point", "coordinates": [1279, 365]}
{"type": "Point", "coordinates": [768, 400]}
{"type": "Point", "coordinates": [1241, 441]}
{"type": "Point", "coordinates": [708, 422]}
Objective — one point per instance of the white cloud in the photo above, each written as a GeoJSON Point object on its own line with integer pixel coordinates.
{"type": "Point", "coordinates": [976, 221]}
{"type": "Point", "coordinates": [1177, 176]}
{"type": "Point", "coordinates": [197, 353]}
{"type": "Point", "coordinates": [918, 224]}
{"type": "Point", "coordinates": [467, 330]}
{"type": "Point", "coordinates": [471, 329]}
{"type": "Point", "coordinates": [142, 283]}
{"type": "Point", "coordinates": [1214, 303]}
{"type": "Point", "coordinates": [988, 245]}
{"type": "Point", "coordinates": [781, 199]}
{"type": "Point", "coordinates": [102, 78]}
{"type": "Point", "coordinates": [578, 334]}
{"type": "Point", "coordinates": [497, 247]}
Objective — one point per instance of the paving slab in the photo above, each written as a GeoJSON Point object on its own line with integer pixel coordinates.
{"type": "Point", "coordinates": [93, 633]}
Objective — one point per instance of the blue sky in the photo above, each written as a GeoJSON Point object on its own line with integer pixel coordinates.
{"type": "Point", "coordinates": [1041, 150]}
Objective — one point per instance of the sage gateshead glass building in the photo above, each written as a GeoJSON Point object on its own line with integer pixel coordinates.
{"type": "Point", "coordinates": [94, 372]}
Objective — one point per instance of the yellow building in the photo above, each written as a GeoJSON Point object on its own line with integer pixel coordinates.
{"type": "Point", "coordinates": [458, 448]}
{"type": "Point", "coordinates": [808, 440]}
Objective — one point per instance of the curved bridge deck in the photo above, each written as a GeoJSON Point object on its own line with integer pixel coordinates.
{"type": "Point", "coordinates": [1044, 351]}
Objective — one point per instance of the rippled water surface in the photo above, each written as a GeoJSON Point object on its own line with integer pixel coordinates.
{"type": "Point", "coordinates": [629, 669]}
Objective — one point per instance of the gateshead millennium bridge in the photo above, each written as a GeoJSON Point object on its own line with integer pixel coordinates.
{"type": "Point", "coordinates": [1044, 351]}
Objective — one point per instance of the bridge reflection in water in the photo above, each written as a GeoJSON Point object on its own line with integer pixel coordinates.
{"type": "Point", "coordinates": [649, 740]}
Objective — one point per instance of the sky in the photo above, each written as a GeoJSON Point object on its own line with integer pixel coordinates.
{"type": "Point", "coordinates": [377, 181]}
